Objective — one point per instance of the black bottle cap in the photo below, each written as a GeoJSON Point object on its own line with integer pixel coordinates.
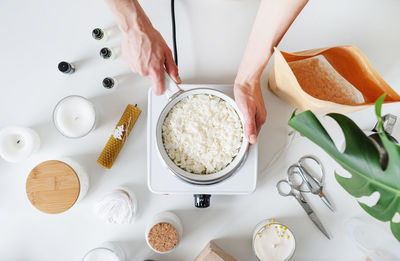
{"type": "Point", "coordinates": [108, 82]}
{"type": "Point", "coordinates": [105, 52]}
{"type": "Point", "coordinates": [97, 33]}
{"type": "Point", "coordinates": [202, 200]}
{"type": "Point", "coordinates": [65, 67]}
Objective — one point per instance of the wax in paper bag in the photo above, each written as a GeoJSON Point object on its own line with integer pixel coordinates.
{"type": "Point", "coordinates": [337, 79]}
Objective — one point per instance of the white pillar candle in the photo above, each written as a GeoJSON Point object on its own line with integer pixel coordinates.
{"type": "Point", "coordinates": [74, 116]}
{"type": "Point", "coordinates": [273, 241]}
{"type": "Point", "coordinates": [18, 143]}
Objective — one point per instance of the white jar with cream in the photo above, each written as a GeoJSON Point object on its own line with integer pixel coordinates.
{"type": "Point", "coordinates": [273, 241]}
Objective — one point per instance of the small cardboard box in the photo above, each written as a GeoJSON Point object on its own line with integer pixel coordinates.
{"type": "Point", "coordinates": [212, 252]}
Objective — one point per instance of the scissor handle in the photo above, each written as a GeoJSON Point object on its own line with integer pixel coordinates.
{"type": "Point", "coordinates": [293, 172]}
{"type": "Point", "coordinates": [306, 171]}
{"type": "Point", "coordinates": [281, 191]}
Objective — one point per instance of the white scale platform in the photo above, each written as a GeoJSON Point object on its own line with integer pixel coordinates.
{"type": "Point", "coordinates": [161, 181]}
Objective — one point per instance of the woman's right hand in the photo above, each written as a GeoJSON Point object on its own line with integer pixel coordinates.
{"type": "Point", "coordinates": [145, 52]}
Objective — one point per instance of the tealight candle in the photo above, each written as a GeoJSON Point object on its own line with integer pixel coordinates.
{"type": "Point", "coordinates": [18, 143]}
{"type": "Point", "coordinates": [273, 241]}
{"type": "Point", "coordinates": [74, 116]}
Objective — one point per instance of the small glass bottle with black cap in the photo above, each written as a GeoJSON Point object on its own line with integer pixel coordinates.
{"type": "Point", "coordinates": [110, 83]}
{"type": "Point", "coordinates": [104, 34]}
{"type": "Point", "coordinates": [65, 67]}
{"type": "Point", "coordinates": [108, 53]}
{"type": "Point", "coordinates": [99, 34]}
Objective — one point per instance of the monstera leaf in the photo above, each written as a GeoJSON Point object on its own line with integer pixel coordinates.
{"type": "Point", "coordinates": [362, 160]}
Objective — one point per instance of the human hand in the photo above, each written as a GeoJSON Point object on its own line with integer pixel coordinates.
{"type": "Point", "coordinates": [145, 52]}
{"type": "Point", "coordinates": [249, 99]}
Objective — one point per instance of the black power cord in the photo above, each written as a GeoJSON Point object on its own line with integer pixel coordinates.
{"type": "Point", "coordinates": [174, 32]}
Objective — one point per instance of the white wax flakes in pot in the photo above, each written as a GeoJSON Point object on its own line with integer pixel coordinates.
{"type": "Point", "coordinates": [202, 134]}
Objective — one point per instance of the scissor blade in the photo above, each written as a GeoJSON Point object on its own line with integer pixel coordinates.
{"type": "Point", "coordinates": [327, 202]}
{"type": "Point", "coordinates": [311, 214]}
{"type": "Point", "coordinates": [318, 223]}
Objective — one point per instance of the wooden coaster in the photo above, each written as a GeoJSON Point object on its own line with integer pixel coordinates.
{"type": "Point", "coordinates": [52, 187]}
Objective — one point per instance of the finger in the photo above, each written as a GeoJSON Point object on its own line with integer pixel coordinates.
{"type": "Point", "coordinates": [259, 125]}
{"type": "Point", "coordinates": [260, 120]}
{"type": "Point", "coordinates": [250, 128]}
{"type": "Point", "coordinates": [171, 67]}
{"type": "Point", "coordinates": [157, 77]}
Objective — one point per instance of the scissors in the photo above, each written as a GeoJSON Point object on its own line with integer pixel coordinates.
{"type": "Point", "coordinates": [296, 188]}
{"type": "Point", "coordinates": [310, 183]}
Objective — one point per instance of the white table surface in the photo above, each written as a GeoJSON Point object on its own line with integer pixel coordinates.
{"type": "Point", "coordinates": [212, 34]}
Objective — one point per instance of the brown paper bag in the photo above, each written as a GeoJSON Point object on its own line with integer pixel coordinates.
{"type": "Point", "coordinates": [357, 84]}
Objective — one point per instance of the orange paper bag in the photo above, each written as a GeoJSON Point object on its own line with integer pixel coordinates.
{"type": "Point", "coordinates": [337, 79]}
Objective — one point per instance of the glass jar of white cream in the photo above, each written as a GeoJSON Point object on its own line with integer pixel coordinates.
{"type": "Point", "coordinates": [273, 241]}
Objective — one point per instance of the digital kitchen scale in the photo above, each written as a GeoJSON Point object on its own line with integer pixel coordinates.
{"type": "Point", "coordinates": [161, 180]}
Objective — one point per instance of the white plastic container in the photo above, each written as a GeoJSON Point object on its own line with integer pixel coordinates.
{"type": "Point", "coordinates": [165, 217]}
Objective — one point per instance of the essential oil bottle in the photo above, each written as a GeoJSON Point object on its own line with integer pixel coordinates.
{"type": "Point", "coordinates": [104, 34]}
{"type": "Point", "coordinates": [108, 53]}
{"type": "Point", "coordinates": [98, 34]}
{"type": "Point", "coordinates": [110, 83]}
{"type": "Point", "coordinates": [65, 67]}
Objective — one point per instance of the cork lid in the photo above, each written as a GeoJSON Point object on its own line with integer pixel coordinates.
{"type": "Point", "coordinates": [52, 187]}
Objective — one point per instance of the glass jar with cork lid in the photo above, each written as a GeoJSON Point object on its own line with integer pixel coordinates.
{"type": "Point", "coordinates": [164, 232]}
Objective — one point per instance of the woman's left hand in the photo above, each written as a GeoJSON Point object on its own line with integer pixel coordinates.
{"type": "Point", "coordinates": [249, 99]}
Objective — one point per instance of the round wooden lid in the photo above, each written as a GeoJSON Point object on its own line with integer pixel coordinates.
{"type": "Point", "coordinates": [53, 187]}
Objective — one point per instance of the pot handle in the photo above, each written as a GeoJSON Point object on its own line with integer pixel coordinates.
{"type": "Point", "coordinates": [171, 88]}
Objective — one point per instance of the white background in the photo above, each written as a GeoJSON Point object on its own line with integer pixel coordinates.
{"type": "Point", "coordinates": [36, 35]}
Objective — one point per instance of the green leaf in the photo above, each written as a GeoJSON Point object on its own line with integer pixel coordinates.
{"type": "Point", "coordinates": [361, 159]}
{"type": "Point", "coordinates": [293, 114]}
